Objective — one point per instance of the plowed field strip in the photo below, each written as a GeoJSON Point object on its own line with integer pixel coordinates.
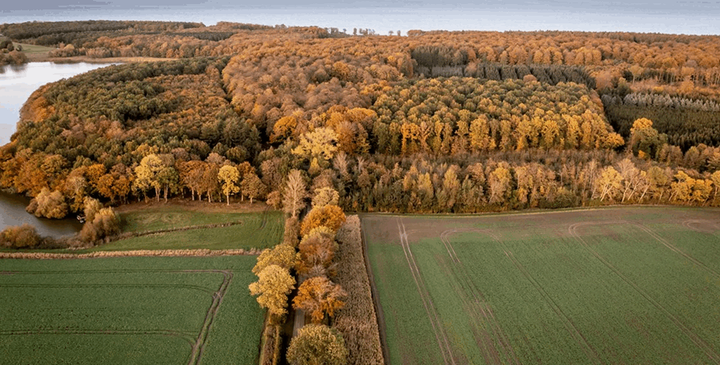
{"type": "Point", "coordinates": [689, 333]}
{"type": "Point", "coordinates": [484, 316]}
{"type": "Point", "coordinates": [185, 335]}
{"type": "Point", "coordinates": [425, 297]}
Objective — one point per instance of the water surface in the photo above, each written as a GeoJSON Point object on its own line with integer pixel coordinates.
{"type": "Point", "coordinates": [18, 82]}
{"type": "Point", "coordinates": [12, 213]}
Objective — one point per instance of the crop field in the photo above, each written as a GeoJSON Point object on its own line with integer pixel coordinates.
{"type": "Point", "coordinates": [630, 285]}
{"type": "Point", "coordinates": [137, 310]}
{"type": "Point", "coordinates": [249, 230]}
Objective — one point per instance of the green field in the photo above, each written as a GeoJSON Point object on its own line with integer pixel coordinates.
{"type": "Point", "coordinates": [256, 230]}
{"type": "Point", "coordinates": [636, 285]}
{"type": "Point", "coordinates": [31, 48]}
{"type": "Point", "coordinates": [137, 310]}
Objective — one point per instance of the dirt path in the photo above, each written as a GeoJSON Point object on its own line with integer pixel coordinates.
{"type": "Point", "coordinates": [688, 332]}
{"type": "Point", "coordinates": [438, 330]}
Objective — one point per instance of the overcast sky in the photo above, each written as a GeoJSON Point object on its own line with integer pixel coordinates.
{"type": "Point", "coordinates": [650, 6]}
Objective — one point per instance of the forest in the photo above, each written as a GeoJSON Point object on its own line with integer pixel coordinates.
{"type": "Point", "coordinates": [428, 122]}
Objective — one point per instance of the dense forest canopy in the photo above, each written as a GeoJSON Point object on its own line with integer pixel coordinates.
{"type": "Point", "coordinates": [434, 121]}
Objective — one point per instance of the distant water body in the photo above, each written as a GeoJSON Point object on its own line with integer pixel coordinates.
{"type": "Point", "coordinates": [18, 82]}
{"type": "Point", "coordinates": [683, 17]}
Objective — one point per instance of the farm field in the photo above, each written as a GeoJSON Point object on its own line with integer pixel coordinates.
{"type": "Point", "coordinates": [137, 310]}
{"type": "Point", "coordinates": [255, 230]}
{"type": "Point", "coordinates": [634, 285]}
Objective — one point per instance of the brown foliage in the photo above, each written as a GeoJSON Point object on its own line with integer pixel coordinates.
{"type": "Point", "coordinates": [330, 216]}
{"type": "Point", "coordinates": [316, 253]}
{"type": "Point", "coordinates": [356, 321]}
{"type": "Point", "coordinates": [319, 297]}
{"type": "Point", "coordinates": [24, 236]}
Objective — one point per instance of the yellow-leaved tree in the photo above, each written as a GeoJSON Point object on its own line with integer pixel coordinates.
{"type": "Point", "coordinates": [229, 176]}
{"type": "Point", "coordinates": [272, 288]}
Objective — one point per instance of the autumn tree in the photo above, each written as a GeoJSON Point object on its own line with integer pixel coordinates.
{"type": "Point", "coordinates": [609, 183]}
{"type": "Point", "coordinates": [645, 141]}
{"type": "Point", "coordinates": [98, 225]}
{"type": "Point", "coordinates": [252, 186]}
{"type": "Point", "coordinates": [146, 175]}
{"type": "Point", "coordinates": [319, 144]}
{"type": "Point", "coordinates": [272, 288]}
{"type": "Point", "coordinates": [316, 252]}
{"type": "Point", "coordinates": [282, 255]}
{"type": "Point", "coordinates": [330, 216]}
{"type": "Point", "coordinates": [229, 177]}
{"type": "Point", "coordinates": [319, 297]}
{"type": "Point", "coordinates": [325, 196]}
{"type": "Point", "coordinates": [48, 205]}
{"type": "Point", "coordinates": [294, 193]}
{"type": "Point", "coordinates": [317, 344]}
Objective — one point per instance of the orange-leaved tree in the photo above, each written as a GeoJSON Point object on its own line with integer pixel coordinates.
{"type": "Point", "coordinates": [319, 296]}
{"type": "Point", "coordinates": [330, 216]}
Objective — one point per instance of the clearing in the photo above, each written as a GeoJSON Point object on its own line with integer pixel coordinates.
{"type": "Point", "coordinates": [138, 310]}
{"type": "Point", "coordinates": [195, 226]}
{"type": "Point", "coordinates": [612, 285]}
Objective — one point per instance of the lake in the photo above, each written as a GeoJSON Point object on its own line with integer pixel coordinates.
{"type": "Point", "coordinates": [12, 213]}
{"type": "Point", "coordinates": [18, 82]}
{"type": "Point", "coordinates": [16, 85]}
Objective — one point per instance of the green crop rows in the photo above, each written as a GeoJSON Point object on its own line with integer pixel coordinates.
{"type": "Point", "coordinates": [619, 285]}
{"type": "Point", "coordinates": [137, 310]}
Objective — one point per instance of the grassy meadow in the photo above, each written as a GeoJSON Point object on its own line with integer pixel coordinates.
{"type": "Point", "coordinates": [260, 229]}
{"type": "Point", "coordinates": [137, 310]}
{"type": "Point", "coordinates": [614, 285]}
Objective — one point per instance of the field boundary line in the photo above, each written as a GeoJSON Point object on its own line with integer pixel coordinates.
{"type": "Point", "coordinates": [199, 345]}
{"type": "Point", "coordinates": [688, 332]}
{"type": "Point", "coordinates": [185, 335]}
{"type": "Point", "coordinates": [204, 252]}
{"type": "Point", "coordinates": [480, 304]}
{"type": "Point", "coordinates": [427, 302]}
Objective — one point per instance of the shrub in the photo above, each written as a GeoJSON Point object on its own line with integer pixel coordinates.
{"type": "Point", "coordinates": [24, 236]}
{"type": "Point", "coordinates": [317, 344]}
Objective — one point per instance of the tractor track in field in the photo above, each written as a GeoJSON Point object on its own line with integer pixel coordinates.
{"type": "Point", "coordinates": [567, 322]}
{"type": "Point", "coordinates": [673, 248]}
{"type": "Point", "coordinates": [197, 341]}
{"type": "Point", "coordinates": [199, 345]}
{"type": "Point", "coordinates": [430, 309]}
{"type": "Point", "coordinates": [572, 230]}
{"type": "Point", "coordinates": [479, 305]}
{"type": "Point", "coordinates": [185, 335]}
{"type": "Point", "coordinates": [689, 225]}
